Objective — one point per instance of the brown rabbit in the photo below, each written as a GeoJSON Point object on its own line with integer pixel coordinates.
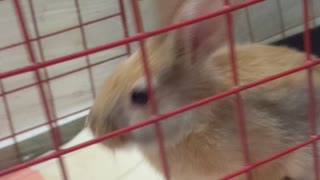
{"type": "Point", "coordinates": [203, 143]}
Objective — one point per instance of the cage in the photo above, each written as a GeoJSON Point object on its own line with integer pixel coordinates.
{"type": "Point", "coordinates": [55, 55]}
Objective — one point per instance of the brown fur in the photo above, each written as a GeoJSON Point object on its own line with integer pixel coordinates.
{"type": "Point", "coordinates": [204, 143]}
{"type": "Point", "coordinates": [200, 152]}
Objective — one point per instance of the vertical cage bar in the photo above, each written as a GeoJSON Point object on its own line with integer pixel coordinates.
{"type": "Point", "coordinates": [85, 45]}
{"type": "Point", "coordinates": [42, 58]}
{"type": "Point", "coordinates": [148, 79]}
{"type": "Point", "coordinates": [53, 130]}
{"type": "Point", "coordinates": [252, 38]}
{"type": "Point", "coordinates": [311, 95]}
{"type": "Point", "coordinates": [124, 24]}
{"type": "Point", "coordinates": [10, 123]}
{"type": "Point", "coordinates": [239, 104]}
{"type": "Point", "coordinates": [307, 35]}
{"type": "Point", "coordinates": [282, 26]}
{"type": "Point", "coordinates": [313, 15]}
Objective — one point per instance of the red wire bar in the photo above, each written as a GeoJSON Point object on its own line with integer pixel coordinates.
{"type": "Point", "coordinates": [53, 131]}
{"type": "Point", "coordinates": [61, 31]}
{"type": "Point", "coordinates": [271, 158]}
{"type": "Point", "coordinates": [156, 118]}
{"type": "Point", "coordinates": [13, 134]}
{"type": "Point", "coordinates": [85, 45]}
{"type": "Point", "coordinates": [161, 118]}
{"type": "Point", "coordinates": [239, 106]}
{"type": "Point", "coordinates": [152, 103]}
{"type": "Point", "coordinates": [311, 95]}
{"type": "Point", "coordinates": [43, 124]}
{"type": "Point", "coordinates": [124, 24]}
{"type": "Point", "coordinates": [10, 124]}
{"type": "Point", "coordinates": [125, 40]}
{"type": "Point", "coordinates": [42, 56]}
{"type": "Point", "coordinates": [64, 74]}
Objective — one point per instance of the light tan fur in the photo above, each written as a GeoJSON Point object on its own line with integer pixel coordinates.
{"type": "Point", "coordinates": [204, 143]}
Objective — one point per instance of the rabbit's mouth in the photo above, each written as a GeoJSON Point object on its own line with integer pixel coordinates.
{"type": "Point", "coordinates": [144, 135]}
{"type": "Point", "coordinates": [173, 130]}
{"type": "Point", "coordinates": [102, 123]}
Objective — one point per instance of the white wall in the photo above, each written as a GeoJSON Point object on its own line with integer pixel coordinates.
{"type": "Point", "coordinates": [270, 20]}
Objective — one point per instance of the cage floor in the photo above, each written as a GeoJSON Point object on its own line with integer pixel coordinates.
{"type": "Point", "coordinates": [94, 162]}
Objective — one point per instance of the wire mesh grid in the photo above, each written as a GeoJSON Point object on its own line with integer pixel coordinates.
{"type": "Point", "coordinates": [39, 62]}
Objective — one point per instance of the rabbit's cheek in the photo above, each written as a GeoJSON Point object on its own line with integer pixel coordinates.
{"type": "Point", "coordinates": [119, 118]}
{"type": "Point", "coordinates": [173, 131]}
{"type": "Point", "coordinates": [145, 135]}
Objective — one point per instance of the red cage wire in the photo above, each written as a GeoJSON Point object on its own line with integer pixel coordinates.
{"type": "Point", "coordinates": [35, 66]}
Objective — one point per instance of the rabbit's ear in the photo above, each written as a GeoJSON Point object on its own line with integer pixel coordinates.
{"type": "Point", "coordinates": [166, 10]}
{"type": "Point", "coordinates": [200, 39]}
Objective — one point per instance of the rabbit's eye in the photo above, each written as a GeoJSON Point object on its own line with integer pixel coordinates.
{"type": "Point", "coordinates": [139, 97]}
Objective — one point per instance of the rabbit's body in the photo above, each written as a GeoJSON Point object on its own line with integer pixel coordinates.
{"type": "Point", "coordinates": [204, 143]}
{"type": "Point", "coordinates": [275, 114]}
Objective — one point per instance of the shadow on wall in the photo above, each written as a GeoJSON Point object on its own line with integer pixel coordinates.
{"type": "Point", "coordinates": [297, 41]}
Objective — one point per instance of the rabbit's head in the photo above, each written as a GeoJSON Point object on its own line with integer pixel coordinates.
{"type": "Point", "coordinates": [180, 72]}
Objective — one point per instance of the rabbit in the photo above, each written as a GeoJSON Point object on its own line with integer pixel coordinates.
{"type": "Point", "coordinates": [193, 63]}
